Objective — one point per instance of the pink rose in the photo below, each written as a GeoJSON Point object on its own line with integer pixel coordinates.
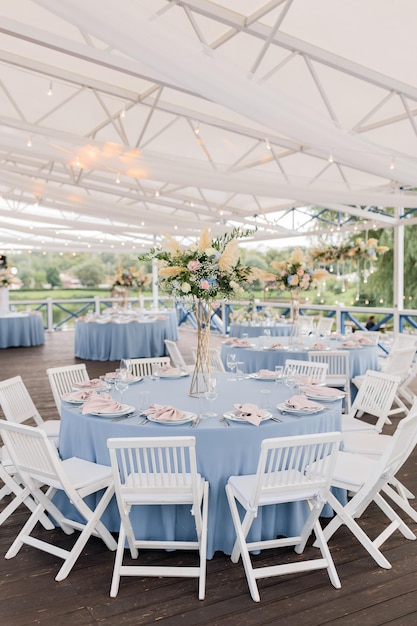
{"type": "Point", "coordinates": [300, 271]}
{"type": "Point", "coordinates": [193, 265]}
{"type": "Point", "coordinates": [204, 284]}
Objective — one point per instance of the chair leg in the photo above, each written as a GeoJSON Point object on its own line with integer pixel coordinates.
{"type": "Point", "coordinates": [343, 516]}
{"type": "Point", "coordinates": [324, 549]}
{"type": "Point", "coordinates": [203, 545]}
{"type": "Point", "coordinates": [240, 546]}
{"type": "Point", "coordinates": [118, 560]}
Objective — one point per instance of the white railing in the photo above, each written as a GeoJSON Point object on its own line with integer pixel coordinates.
{"type": "Point", "coordinates": [63, 313]}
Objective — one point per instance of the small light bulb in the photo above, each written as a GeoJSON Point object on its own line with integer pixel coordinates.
{"type": "Point", "coordinates": [49, 92]}
{"type": "Point", "coordinates": [29, 142]}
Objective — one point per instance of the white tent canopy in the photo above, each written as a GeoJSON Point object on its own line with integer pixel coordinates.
{"type": "Point", "coordinates": [120, 121]}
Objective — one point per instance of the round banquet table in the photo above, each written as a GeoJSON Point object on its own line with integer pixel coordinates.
{"type": "Point", "coordinates": [103, 340]}
{"type": "Point", "coordinates": [258, 356]}
{"type": "Point", "coordinates": [221, 452]}
{"type": "Point", "coordinates": [21, 330]}
{"type": "Point", "coordinates": [280, 329]}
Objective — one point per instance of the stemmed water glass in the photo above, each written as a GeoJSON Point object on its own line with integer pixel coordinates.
{"type": "Point", "coordinates": [121, 382]}
{"type": "Point", "coordinates": [210, 394]}
{"type": "Point", "coordinates": [266, 337]}
{"type": "Point", "coordinates": [231, 362]}
{"type": "Point", "coordinates": [291, 381]}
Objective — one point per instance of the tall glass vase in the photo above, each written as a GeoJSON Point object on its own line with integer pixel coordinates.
{"type": "Point", "coordinates": [295, 335]}
{"type": "Point", "coordinates": [202, 368]}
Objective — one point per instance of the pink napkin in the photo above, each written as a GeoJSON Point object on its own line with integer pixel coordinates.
{"type": "Point", "coordinates": [266, 373]}
{"type": "Point", "coordinates": [325, 392]}
{"type": "Point", "coordinates": [303, 378]}
{"type": "Point", "coordinates": [101, 403]}
{"type": "Point", "coordinates": [81, 395]}
{"type": "Point", "coordinates": [93, 383]}
{"type": "Point", "coordinates": [250, 412]}
{"type": "Point", "coordinates": [114, 375]}
{"type": "Point", "coordinates": [364, 340]}
{"type": "Point", "coordinates": [319, 346]}
{"type": "Point", "coordinates": [301, 402]}
{"type": "Point", "coordinates": [350, 343]}
{"type": "Point", "coordinates": [163, 412]}
{"type": "Point", "coordinates": [275, 346]}
{"type": "Point", "coordinates": [168, 370]}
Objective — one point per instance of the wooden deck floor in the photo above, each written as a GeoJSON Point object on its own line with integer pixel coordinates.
{"type": "Point", "coordinates": [30, 595]}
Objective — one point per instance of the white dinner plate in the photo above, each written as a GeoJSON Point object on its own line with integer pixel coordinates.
{"type": "Point", "coordinates": [111, 379]}
{"type": "Point", "coordinates": [325, 398]}
{"type": "Point", "coordinates": [173, 376]}
{"type": "Point", "coordinates": [256, 376]}
{"type": "Point", "coordinates": [74, 401]}
{"type": "Point", "coordinates": [187, 416]}
{"type": "Point", "coordinates": [125, 409]}
{"type": "Point", "coordinates": [288, 409]}
{"type": "Point", "coordinates": [276, 348]}
{"type": "Point", "coordinates": [236, 416]}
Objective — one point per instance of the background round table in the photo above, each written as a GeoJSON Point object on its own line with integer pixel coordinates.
{"type": "Point", "coordinates": [21, 329]}
{"type": "Point", "coordinates": [221, 452]}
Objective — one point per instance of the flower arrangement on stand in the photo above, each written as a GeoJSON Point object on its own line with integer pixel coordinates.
{"type": "Point", "coordinates": [202, 274]}
{"type": "Point", "coordinates": [295, 274]}
{"type": "Point", "coordinates": [7, 279]}
{"type": "Point", "coordinates": [126, 279]}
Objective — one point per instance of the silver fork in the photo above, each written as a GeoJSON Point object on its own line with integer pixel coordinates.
{"type": "Point", "coordinates": [224, 421]}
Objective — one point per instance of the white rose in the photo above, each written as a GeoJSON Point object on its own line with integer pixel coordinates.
{"type": "Point", "coordinates": [185, 288]}
{"type": "Point", "coordinates": [210, 252]}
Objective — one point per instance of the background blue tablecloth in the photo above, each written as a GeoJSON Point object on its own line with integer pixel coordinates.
{"type": "Point", "coordinates": [113, 341]}
{"type": "Point", "coordinates": [221, 452]}
{"type": "Point", "coordinates": [21, 329]}
{"type": "Point", "coordinates": [280, 329]}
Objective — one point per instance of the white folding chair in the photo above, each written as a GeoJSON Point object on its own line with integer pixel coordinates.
{"type": "Point", "coordinates": [338, 373]}
{"type": "Point", "coordinates": [305, 324]}
{"type": "Point", "coordinates": [282, 476]}
{"type": "Point", "coordinates": [306, 371]}
{"type": "Point", "coordinates": [18, 406]}
{"type": "Point", "coordinates": [216, 362]}
{"type": "Point", "coordinates": [63, 378]}
{"type": "Point", "coordinates": [366, 478]}
{"type": "Point", "coordinates": [146, 366]}
{"type": "Point", "coordinates": [158, 471]}
{"type": "Point", "coordinates": [398, 363]}
{"type": "Point", "coordinates": [176, 357]}
{"type": "Point", "coordinates": [324, 325]}
{"type": "Point", "coordinates": [375, 397]}
{"type": "Point", "coordinates": [38, 464]}
{"type": "Point", "coordinates": [14, 489]}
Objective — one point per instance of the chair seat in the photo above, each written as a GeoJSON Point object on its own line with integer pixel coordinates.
{"type": "Point", "coordinates": [51, 427]}
{"type": "Point", "coordinates": [81, 473]}
{"type": "Point", "coordinates": [365, 442]}
{"type": "Point", "coordinates": [354, 424]}
{"type": "Point", "coordinates": [244, 487]}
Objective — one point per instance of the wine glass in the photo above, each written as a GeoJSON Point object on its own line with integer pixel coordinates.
{"type": "Point", "coordinates": [210, 394]}
{"type": "Point", "coordinates": [266, 337]}
{"type": "Point", "coordinates": [291, 380]}
{"type": "Point", "coordinates": [231, 363]}
{"type": "Point", "coordinates": [121, 383]}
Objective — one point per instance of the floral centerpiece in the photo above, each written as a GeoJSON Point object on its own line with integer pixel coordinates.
{"type": "Point", "coordinates": [131, 278]}
{"type": "Point", "coordinates": [7, 278]}
{"type": "Point", "coordinates": [295, 274]}
{"type": "Point", "coordinates": [202, 274]}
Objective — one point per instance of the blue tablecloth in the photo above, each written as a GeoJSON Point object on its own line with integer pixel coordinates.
{"type": "Point", "coordinates": [280, 329]}
{"type": "Point", "coordinates": [112, 341]}
{"type": "Point", "coordinates": [21, 329]}
{"type": "Point", "coordinates": [221, 452]}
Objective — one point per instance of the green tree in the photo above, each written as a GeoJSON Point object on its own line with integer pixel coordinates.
{"type": "Point", "coordinates": [52, 276]}
{"type": "Point", "coordinates": [90, 273]}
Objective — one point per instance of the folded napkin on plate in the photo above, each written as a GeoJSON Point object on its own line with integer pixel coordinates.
{"type": "Point", "coordinates": [303, 378]}
{"type": "Point", "coordinates": [82, 395]}
{"type": "Point", "coordinates": [301, 403]}
{"type": "Point", "coordinates": [266, 373]}
{"type": "Point", "coordinates": [114, 375]}
{"type": "Point", "coordinates": [364, 340]}
{"type": "Point", "coordinates": [275, 346]}
{"type": "Point", "coordinates": [325, 392]}
{"type": "Point", "coordinates": [250, 412]}
{"type": "Point", "coordinates": [101, 403]}
{"type": "Point", "coordinates": [163, 412]}
{"type": "Point", "coordinates": [93, 383]}
{"type": "Point", "coordinates": [350, 343]}
{"type": "Point", "coordinates": [319, 346]}
{"type": "Point", "coordinates": [168, 370]}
